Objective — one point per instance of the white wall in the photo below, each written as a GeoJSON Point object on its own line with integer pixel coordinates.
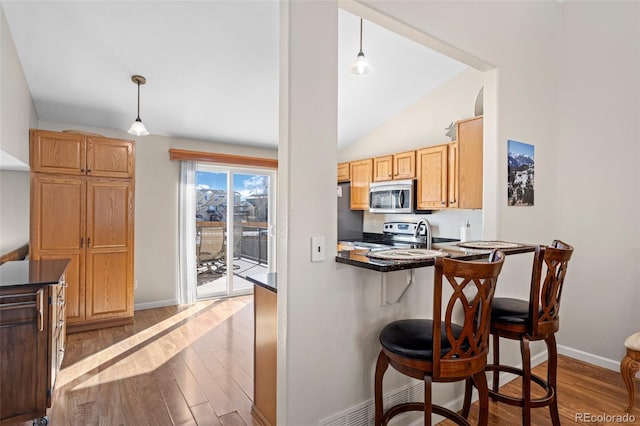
{"type": "Point", "coordinates": [422, 123]}
{"type": "Point", "coordinates": [17, 112]}
{"type": "Point", "coordinates": [17, 115]}
{"type": "Point", "coordinates": [332, 314]}
{"type": "Point", "coordinates": [14, 210]}
{"type": "Point", "coordinates": [156, 208]}
{"type": "Point", "coordinates": [598, 179]}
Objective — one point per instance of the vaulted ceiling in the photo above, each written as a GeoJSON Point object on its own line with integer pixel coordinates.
{"type": "Point", "coordinates": [211, 67]}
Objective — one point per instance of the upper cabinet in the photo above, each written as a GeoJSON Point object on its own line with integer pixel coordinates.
{"type": "Point", "coordinates": [469, 170]}
{"type": "Point", "coordinates": [450, 175]}
{"type": "Point", "coordinates": [343, 172]}
{"type": "Point", "coordinates": [432, 188]}
{"type": "Point", "coordinates": [361, 176]}
{"type": "Point", "coordinates": [383, 168]}
{"type": "Point", "coordinates": [404, 165]}
{"type": "Point", "coordinates": [71, 153]}
{"type": "Point", "coordinates": [396, 166]}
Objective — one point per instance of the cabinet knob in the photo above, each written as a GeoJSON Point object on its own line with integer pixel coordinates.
{"type": "Point", "coordinates": [452, 201]}
{"type": "Point", "coordinates": [89, 171]}
{"type": "Point", "coordinates": [442, 202]}
{"type": "Point", "coordinates": [81, 170]}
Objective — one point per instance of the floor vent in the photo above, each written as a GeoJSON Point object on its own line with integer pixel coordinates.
{"type": "Point", "coordinates": [363, 414]}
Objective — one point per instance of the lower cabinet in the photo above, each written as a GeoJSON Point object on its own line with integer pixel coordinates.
{"type": "Point", "coordinates": [265, 356]}
{"type": "Point", "coordinates": [32, 343]}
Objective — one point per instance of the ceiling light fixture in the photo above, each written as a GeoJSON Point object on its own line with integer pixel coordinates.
{"type": "Point", "coordinates": [138, 128]}
{"type": "Point", "coordinates": [361, 66]}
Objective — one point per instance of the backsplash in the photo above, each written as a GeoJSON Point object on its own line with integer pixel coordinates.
{"type": "Point", "coordinates": [444, 223]}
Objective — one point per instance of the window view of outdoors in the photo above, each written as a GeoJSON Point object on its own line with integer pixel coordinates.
{"type": "Point", "coordinates": [249, 238]}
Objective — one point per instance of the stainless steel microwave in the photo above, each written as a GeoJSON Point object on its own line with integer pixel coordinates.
{"type": "Point", "coordinates": [391, 197]}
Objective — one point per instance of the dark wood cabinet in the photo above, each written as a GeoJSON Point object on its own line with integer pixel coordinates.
{"type": "Point", "coordinates": [32, 337]}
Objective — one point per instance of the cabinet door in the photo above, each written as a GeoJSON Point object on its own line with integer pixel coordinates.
{"type": "Point", "coordinates": [383, 168]}
{"type": "Point", "coordinates": [404, 165]}
{"type": "Point", "coordinates": [110, 157]}
{"type": "Point", "coordinates": [361, 173]}
{"type": "Point", "coordinates": [470, 163]}
{"type": "Point", "coordinates": [58, 231]}
{"type": "Point", "coordinates": [57, 152]}
{"type": "Point", "coordinates": [432, 178]}
{"type": "Point", "coordinates": [23, 354]}
{"type": "Point", "coordinates": [452, 167]}
{"type": "Point", "coordinates": [109, 283]}
{"type": "Point", "coordinates": [343, 172]}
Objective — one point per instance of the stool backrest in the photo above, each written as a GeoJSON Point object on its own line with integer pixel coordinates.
{"type": "Point", "coordinates": [473, 285]}
{"type": "Point", "coordinates": [547, 279]}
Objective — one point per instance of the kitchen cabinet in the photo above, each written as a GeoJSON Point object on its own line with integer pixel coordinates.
{"type": "Point", "coordinates": [90, 221]}
{"type": "Point", "coordinates": [343, 172]}
{"type": "Point", "coordinates": [404, 165]}
{"type": "Point", "coordinates": [74, 153]}
{"type": "Point", "coordinates": [432, 186]}
{"type": "Point", "coordinates": [450, 175]}
{"type": "Point", "coordinates": [396, 166]}
{"type": "Point", "coordinates": [383, 168]}
{"type": "Point", "coordinates": [32, 337]}
{"type": "Point", "coordinates": [361, 176]}
{"type": "Point", "coordinates": [469, 169]}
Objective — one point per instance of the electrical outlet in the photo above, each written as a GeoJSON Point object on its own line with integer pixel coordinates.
{"type": "Point", "coordinates": [135, 284]}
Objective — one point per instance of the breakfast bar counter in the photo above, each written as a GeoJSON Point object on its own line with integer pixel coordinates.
{"type": "Point", "coordinates": [362, 258]}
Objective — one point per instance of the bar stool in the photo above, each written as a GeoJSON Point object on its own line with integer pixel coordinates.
{"type": "Point", "coordinates": [629, 366]}
{"type": "Point", "coordinates": [529, 320]}
{"type": "Point", "coordinates": [459, 352]}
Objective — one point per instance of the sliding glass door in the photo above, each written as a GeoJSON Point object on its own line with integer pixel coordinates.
{"type": "Point", "coordinates": [234, 219]}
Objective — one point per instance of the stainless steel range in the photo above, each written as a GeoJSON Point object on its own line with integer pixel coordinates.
{"type": "Point", "coordinates": [395, 234]}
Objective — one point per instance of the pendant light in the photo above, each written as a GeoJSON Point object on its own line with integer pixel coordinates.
{"type": "Point", "coordinates": [361, 66]}
{"type": "Point", "coordinates": [138, 128]}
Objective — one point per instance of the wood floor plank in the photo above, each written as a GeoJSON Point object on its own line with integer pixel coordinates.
{"type": "Point", "coordinates": [232, 419]}
{"type": "Point", "coordinates": [240, 399]}
{"type": "Point", "coordinates": [189, 387]}
{"type": "Point", "coordinates": [204, 415]}
{"type": "Point", "coordinates": [176, 404]}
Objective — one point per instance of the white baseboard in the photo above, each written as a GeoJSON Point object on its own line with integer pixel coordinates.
{"type": "Point", "coordinates": [156, 304]}
{"type": "Point", "coordinates": [598, 360]}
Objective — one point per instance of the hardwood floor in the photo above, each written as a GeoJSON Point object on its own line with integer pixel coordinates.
{"type": "Point", "coordinates": [171, 367]}
{"type": "Point", "coordinates": [583, 390]}
{"type": "Point", "coordinates": [194, 366]}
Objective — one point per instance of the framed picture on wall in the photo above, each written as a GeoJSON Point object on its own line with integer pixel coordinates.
{"type": "Point", "coordinates": [520, 167]}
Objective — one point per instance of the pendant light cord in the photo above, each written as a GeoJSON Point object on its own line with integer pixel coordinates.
{"type": "Point", "coordinates": [360, 35]}
{"type": "Point", "coordinates": [138, 100]}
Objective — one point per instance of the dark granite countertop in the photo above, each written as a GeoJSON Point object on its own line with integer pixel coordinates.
{"type": "Point", "coordinates": [267, 281]}
{"type": "Point", "coordinates": [31, 272]}
{"type": "Point", "coordinates": [359, 257]}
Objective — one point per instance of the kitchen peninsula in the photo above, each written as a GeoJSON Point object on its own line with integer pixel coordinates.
{"type": "Point", "coordinates": [362, 257]}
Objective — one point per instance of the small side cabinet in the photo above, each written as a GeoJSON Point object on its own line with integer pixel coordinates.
{"type": "Point", "coordinates": [32, 337]}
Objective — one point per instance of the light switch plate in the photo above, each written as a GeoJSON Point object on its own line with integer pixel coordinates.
{"type": "Point", "coordinates": [317, 249]}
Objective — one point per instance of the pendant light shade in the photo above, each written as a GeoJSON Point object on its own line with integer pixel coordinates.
{"type": "Point", "coordinates": [138, 128]}
{"type": "Point", "coordinates": [361, 66]}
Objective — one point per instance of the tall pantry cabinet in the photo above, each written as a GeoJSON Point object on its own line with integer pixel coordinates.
{"type": "Point", "coordinates": [82, 209]}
